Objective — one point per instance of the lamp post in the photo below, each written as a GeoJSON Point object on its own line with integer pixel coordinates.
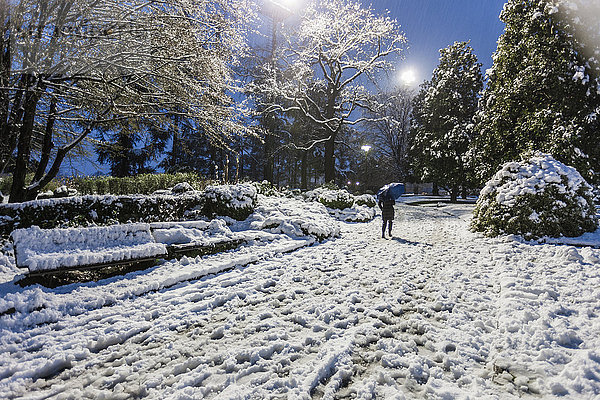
{"type": "Point", "coordinates": [366, 148]}
{"type": "Point", "coordinates": [277, 11]}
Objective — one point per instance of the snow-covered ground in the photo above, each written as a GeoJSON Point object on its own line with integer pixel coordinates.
{"type": "Point", "coordinates": [435, 312]}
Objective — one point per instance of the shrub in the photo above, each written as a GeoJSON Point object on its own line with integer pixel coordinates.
{"type": "Point", "coordinates": [294, 217]}
{"type": "Point", "coordinates": [96, 210]}
{"type": "Point", "coordinates": [365, 200]}
{"type": "Point", "coordinates": [6, 183]}
{"type": "Point", "coordinates": [265, 188]}
{"type": "Point", "coordinates": [337, 199]}
{"type": "Point", "coordinates": [235, 201]}
{"type": "Point", "coordinates": [534, 198]}
{"type": "Point", "coordinates": [139, 184]}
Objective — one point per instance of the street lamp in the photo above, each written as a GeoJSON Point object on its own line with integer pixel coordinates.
{"type": "Point", "coordinates": [366, 148]}
{"type": "Point", "coordinates": [408, 77]}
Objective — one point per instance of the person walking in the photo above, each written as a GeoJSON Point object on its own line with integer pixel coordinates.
{"type": "Point", "coordinates": [386, 204]}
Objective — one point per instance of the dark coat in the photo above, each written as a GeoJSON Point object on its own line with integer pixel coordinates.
{"type": "Point", "coordinates": [387, 207]}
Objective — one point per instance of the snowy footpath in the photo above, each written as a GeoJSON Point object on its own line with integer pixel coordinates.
{"type": "Point", "coordinates": [435, 312]}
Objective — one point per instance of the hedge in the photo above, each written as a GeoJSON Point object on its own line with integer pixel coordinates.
{"type": "Point", "coordinates": [236, 201]}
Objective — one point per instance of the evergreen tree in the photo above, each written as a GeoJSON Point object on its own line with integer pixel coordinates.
{"type": "Point", "coordinates": [543, 89]}
{"type": "Point", "coordinates": [129, 148]}
{"type": "Point", "coordinates": [442, 118]}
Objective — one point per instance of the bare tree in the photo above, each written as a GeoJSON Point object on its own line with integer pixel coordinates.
{"type": "Point", "coordinates": [68, 67]}
{"type": "Point", "coordinates": [389, 126]}
{"type": "Point", "coordinates": [333, 52]}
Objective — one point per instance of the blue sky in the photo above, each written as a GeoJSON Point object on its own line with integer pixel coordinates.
{"type": "Point", "coordinates": [430, 25]}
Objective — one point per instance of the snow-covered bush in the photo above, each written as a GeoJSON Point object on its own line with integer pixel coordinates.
{"type": "Point", "coordinates": [96, 210]}
{"type": "Point", "coordinates": [338, 199]}
{"type": "Point", "coordinates": [61, 191]}
{"type": "Point", "coordinates": [343, 205]}
{"type": "Point", "coordinates": [534, 198]}
{"type": "Point", "coordinates": [356, 213]}
{"type": "Point", "coordinates": [365, 200]}
{"type": "Point", "coordinates": [294, 217]}
{"type": "Point", "coordinates": [265, 188]}
{"type": "Point", "coordinates": [236, 201]}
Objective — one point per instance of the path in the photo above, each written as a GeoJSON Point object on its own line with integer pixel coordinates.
{"type": "Point", "coordinates": [421, 315]}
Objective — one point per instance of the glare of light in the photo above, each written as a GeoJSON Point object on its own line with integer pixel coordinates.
{"type": "Point", "coordinates": [357, 183]}
{"type": "Point", "coordinates": [365, 148]}
{"type": "Point", "coordinates": [286, 4]}
{"type": "Point", "coordinates": [349, 183]}
{"type": "Point", "coordinates": [408, 77]}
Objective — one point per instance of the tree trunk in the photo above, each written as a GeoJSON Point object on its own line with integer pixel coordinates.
{"type": "Point", "coordinates": [304, 171]}
{"type": "Point", "coordinates": [175, 149]}
{"type": "Point", "coordinates": [17, 191]}
{"type": "Point", "coordinates": [269, 147]}
{"type": "Point", "coordinates": [8, 141]}
{"type": "Point", "coordinates": [330, 160]}
{"type": "Point", "coordinates": [47, 144]}
{"type": "Point", "coordinates": [435, 190]}
{"type": "Point", "coordinates": [454, 194]}
{"type": "Point", "coordinates": [9, 131]}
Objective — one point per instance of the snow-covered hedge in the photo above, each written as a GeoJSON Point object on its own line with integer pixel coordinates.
{"type": "Point", "coordinates": [534, 198]}
{"type": "Point", "coordinates": [236, 201]}
{"type": "Point", "coordinates": [93, 209]}
{"type": "Point", "coordinates": [294, 217]}
{"type": "Point", "coordinates": [48, 249]}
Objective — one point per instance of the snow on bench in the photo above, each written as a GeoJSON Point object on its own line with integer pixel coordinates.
{"type": "Point", "coordinates": [42, 250]}
{"type": "Point", "coordinates": [201, 237]}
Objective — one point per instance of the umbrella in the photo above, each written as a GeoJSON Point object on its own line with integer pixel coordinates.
{"type": "Point", "coordinates": [394, 189]}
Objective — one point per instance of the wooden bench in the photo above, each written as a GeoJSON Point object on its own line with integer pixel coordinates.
{"type": "Point", "coordinates": [55, 257]}
{"type": "Point", "coordinates": [44, 251]}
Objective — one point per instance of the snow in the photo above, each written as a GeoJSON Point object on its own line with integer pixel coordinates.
{"type": "Point", "coordinates": [532, 178]}
{"type": "Point", "coordinates": [237, 196]}
{"type": "Point", "coordinates": [47, 249]}
{"type": "Point", "coordinates": [293, 217]}
{"type": "Point", "coordinates": [435, 312]}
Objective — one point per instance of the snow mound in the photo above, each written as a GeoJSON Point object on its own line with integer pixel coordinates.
{"type": "Point", "coordinates": [182, 187]}
{"type": "Point", "coordinates": [537, 197]}
{"type": "Point", "coordinates": [295, 218]}
{"type": "Point", "coordinates": [198, 232]}
{"type": "Point", "coordinates": [47, 249]}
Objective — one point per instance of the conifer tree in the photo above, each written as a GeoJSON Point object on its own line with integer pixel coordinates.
{"type": "Point", "coordinates": [543, 91]}
{"type": "Point", "coordinates": [442, 118]}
